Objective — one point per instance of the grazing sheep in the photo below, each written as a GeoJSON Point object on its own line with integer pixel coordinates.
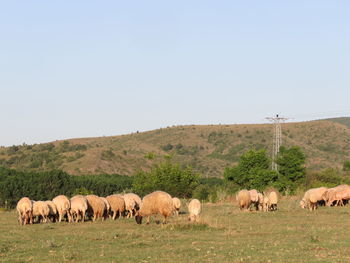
{"type": "Point", "coordinates": [266, 204]}
{"type": "Point", "coordinates": [194, 209]}
{"type": "Point", "coordinates": [96, 207]}
{"type": "Point", "coordinates": [117, 204]}
{"type": "Point", "coordinates": [53, 210]}
{"type": "Point", "coordinates": [336, 195]}
{"type": "Point", "coordinates": [78, 207]}
{"type": "Point", "coordinates": [158, 202]}
{"type": "Point", "coordinates": [107, 208]}
{"type": "Point", "coordinates": [312, 197]}
{"type": "Point", "coordinates": [260, 202]}
{"type": "Point", "coordinates": [25, 211]}
{"type": "Point", "coordinates": [63, 207]}
{"type": "Point", "coordinates": [41, 210]}
{"type": "Point", "coordinates": [132, 207]}
{"type": "Point", "coordinates": [339, 196]}
{"type": "Point", "coordinates": [177, 205]}
{"type": "Point", "coordinates": [243, 199]}
{"type": "Point", "coordinates": [254, 198]}
{"type": "Point", "coordinates": [273, 199]}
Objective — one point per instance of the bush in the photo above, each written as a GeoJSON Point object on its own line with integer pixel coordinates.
{"type": "Point", "coordinates": [167, 177]}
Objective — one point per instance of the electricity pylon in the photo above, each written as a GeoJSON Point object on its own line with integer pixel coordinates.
{"type": "Point", "coordinates": [277, 138]}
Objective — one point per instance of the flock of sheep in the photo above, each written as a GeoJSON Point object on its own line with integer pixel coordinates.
{"type": "Point", "coordinates": [267, 202]}
{"type": "Point", "coordinates": [335, 196]}
{"type": "Point", "coordinates": [80, 208]}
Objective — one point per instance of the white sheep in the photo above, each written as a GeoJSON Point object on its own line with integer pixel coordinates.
{"type": "Point", "coordinates": [177, 205]}
{"type": "Point", "coordinates": [158, 202]}
{"type": "Point", "coordinates": [194, 209]}
{"type": "Point", "coordinates": [25, 211]}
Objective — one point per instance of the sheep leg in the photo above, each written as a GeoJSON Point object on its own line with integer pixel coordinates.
{"type": "Point", "coordinates": [148, 219]}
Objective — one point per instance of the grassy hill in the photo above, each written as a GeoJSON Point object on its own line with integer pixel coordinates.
{"type": "Point", "coordinates": [208, 148]}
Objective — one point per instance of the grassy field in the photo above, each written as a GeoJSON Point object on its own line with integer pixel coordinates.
{"type": "Point", "coordinates": [223, 235]}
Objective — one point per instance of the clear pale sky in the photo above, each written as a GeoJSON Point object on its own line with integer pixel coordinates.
{"type": "Point", "coordinates": [91, 68]}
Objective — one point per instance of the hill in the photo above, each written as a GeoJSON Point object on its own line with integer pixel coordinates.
{"type": "Point", "coordinates": [208, 148]}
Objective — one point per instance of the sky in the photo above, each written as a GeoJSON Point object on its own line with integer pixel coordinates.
{"type": "Point", "coordinates": [72, 69]}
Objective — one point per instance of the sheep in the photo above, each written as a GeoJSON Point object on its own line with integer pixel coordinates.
{"type": "Point", "coordinates": [254, 198]}
{"type": "Point", "coordinates": [96, 207]}
{"type": "Point", "coordinates": [25, 210]}
{"type": "Point", "coordinates": [117, 204]}
{"type": "Point", "coordinates": [260, 201]}
{"type": "Point", "coordinates": [273, 199]}
{"type": "Point", "coordinates": [266, 204]}
{"type": "Point", "coordinates": [158, 202]}
{"type": "Point", "coordinates": [177, 205]}
{"type": "Point", "coordinates": [107, 208]}
{"type": "Point", "coordinates": [63, 207]}
{"type": "Point", "coordinates": [41, 210]}
{"type": "Point", "coordinates": [194, 209]}
{"type": "Point", "coordinates": [338, 194]}
{"type": "Point", "coordinates": [312, 197]}
{"type": "Point", "coordinates": [53, 210]}
{"type": "Point", "coordinates": [132, 207]}
{"type": "Point", "coordinates": [243, 199]}
{"type": "Point", "coordinates": [78, 207]}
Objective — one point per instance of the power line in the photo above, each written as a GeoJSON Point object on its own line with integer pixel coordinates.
{"type": "Point", "coordinates": [277, 138]}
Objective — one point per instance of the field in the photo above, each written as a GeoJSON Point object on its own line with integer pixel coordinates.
{"type": "Point", "coordinates": [223, 235]}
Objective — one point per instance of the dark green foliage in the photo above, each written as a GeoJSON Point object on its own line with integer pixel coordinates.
{"type": "Point", "coordinates": [46, 185]}
{"type": "Point", "coordinates": [107, 154]}
{"type": "Point", "coordinates": [291, 168]}
{"type": "Point", "coordinates": [167, 177]}
{"type": "Point", "coordinates": [167, 147]}
{"type": "Point", "coordinates": [346, 166]}
{"type": "Point", "coordinates": [201, 192]}
{"type": "Point", "coordinates": [328, 177]}
{"type": "Point", "coordinates": [252, 171]}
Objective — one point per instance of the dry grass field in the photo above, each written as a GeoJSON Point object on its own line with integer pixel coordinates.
{"type": "Point", "coordinates": [224, 235]}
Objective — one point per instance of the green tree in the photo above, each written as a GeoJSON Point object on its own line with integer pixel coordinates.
{"type": "Point", "coordinates": [252, 171]}
{"type": "Point", "coordinates": [291, 168]}
{"type": "Point", "coordinates": [167, 177]}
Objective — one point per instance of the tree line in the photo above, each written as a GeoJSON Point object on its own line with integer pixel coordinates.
{"type": "Point", "coordinates": [253, 171]}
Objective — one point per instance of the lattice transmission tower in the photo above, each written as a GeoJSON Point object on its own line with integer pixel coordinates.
{"type": "Point", "coordinates": [277, 138]}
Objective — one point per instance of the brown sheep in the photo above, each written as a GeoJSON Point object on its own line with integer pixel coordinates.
{"type": "Point", "coordinates": [243, 199]}
{"type": "Point", "coordinates": [131, 206]}
{"type": "Point", "coordinates": [194, 209]}
{"type": "Point", "coordinates": [158, 202]}
{"type": "Point", "coordinates": [96, 207]}
{"type": "Point", "coordinates": [63, 207]}
{"type": "Point", "coordinates": [78, 207]}
{"type": "Point", "coordinates": [41, 210]}
{"type": "Point", "coordinates": [117, 204]}
{"type": "Point", "coordinates": [53, 210]}
{"type": "Point", "coordinates": [177, 205]}
{"type": "Point", "coordinates": [25, 211]}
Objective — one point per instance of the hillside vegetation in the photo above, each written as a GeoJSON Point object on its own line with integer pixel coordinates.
{"type": "Point", "coordinates": [207, 148]}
